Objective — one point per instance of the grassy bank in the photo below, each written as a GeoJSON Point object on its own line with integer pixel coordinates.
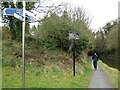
{"type": "Point", "coordinates": [49, 75]}
{"type": "Point", "coordinates": [111, 73]}
{"type": "Point", "coordinates": [44, 68]}
{"type": "Point", "coordinates": [0, 78]}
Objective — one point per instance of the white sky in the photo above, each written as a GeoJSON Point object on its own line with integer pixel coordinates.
{"type": "Point", "coordinates": [102, 11]}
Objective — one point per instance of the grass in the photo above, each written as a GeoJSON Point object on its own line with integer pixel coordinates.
{"type": "Point", "coordinates": [0, 74]}
{"type": "Point", "coordinates": [111, 73]}
{"type": "Point", "coordinates": [0, 78]}
{"type": "Point", "coordinates": [49, 75]}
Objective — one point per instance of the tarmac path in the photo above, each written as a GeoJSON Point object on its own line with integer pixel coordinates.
{"type": "Point", "coordinates": [100, 80]}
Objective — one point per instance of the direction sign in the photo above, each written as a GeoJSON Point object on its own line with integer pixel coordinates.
{"type": "Point", "coordinates": [74, 35]}
{"type": "Point", "coordinates": [11, 11]}
{"type": "Point", "coordinates": [18, 16]}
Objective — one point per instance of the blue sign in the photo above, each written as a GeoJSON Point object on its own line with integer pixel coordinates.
{"type": "Point", "coordinates": [11, 11]}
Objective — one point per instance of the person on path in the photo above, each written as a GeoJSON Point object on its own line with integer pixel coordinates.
{"type": "Point", "coordinates": [95, 59]}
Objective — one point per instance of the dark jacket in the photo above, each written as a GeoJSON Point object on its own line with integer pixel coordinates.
{"type": "Point", "coordinates": [95, 58]}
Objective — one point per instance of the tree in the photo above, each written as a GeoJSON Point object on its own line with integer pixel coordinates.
{"type": "Point", "coordinates": [112, 38]}
{"type": "Point", "coordinates": [107, 43]}
{"type": "Point", "coordinates": [109, 25]}
{"type": "Point", "coordinates": [55, 29]}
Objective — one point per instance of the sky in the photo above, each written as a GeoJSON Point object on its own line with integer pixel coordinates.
{"type": "Point", "coordinates": [102, 11]}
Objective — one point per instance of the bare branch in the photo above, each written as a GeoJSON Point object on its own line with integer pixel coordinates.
{"type": "Point", "coordinates": [46, 10]}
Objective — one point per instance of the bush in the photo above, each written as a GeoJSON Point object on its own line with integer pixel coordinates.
{"type": "Point", "coordinates": [49, 43]}
{"type": "Point", "coordinates": [81, 45]}
{"type": "Point", "coordinates": [6, 33]}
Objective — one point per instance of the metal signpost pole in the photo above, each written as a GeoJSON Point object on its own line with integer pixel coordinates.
{"type": "Point", "coordinates": [73, 36]}
{"type": "Point", "coordinates": [20, 14]}
{"type": "Point", "coordinates": [74, 57]}
{"type": "Point", "coordinates": [23, 46]}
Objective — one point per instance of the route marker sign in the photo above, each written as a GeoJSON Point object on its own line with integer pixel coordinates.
{"type": "Point", "coordinates": [74, 35]}
{"type": "Point", "coordinates": [18, 16]}
{"type": "Point", "coordinates": [12, 11]}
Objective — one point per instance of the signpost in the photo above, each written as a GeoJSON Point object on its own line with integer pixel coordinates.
{"type": "Point", "coordinates": [21, 14]}
{"type": "Point", "coordinates": [73, 36]}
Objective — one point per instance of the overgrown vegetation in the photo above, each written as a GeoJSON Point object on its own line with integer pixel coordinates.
{"type": "Point", "coordinates": [54, 33]}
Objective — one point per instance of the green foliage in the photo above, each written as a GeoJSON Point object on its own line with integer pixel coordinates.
{"type": "Point", "coordinates": [54, 33]}
{"type": "Point", "coordinates": [112, 38]}
{"type": "Point", "coordinates": [55, 30]}
{"type": "Point", "coordinates": [107, 44]}
{"type": "Point", "coordinates": [81, 45]}
{"type": "Point", "coordinates": [10, 55]}
{"type": "Point", "coordinates": [48, 43]}
{"type": "Point", "coordinates": [6, 33]}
